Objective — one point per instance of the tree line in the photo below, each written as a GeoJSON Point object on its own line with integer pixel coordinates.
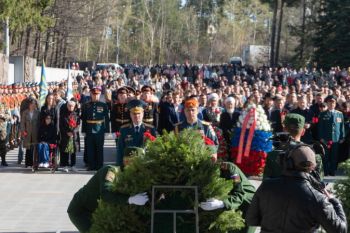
{"type": "Point", "coordinates": [169, 31]}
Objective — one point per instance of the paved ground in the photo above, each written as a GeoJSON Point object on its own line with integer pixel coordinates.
{"type": "Point", "coordinates": [37, 202]}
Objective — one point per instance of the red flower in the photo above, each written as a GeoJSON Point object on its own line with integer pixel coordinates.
{"type": "Point", "coordinates": [329, 144]}
{"type": "Point", "coordinates": [117, 134]}
{"type": "Point", "coordinates": [252, 165]}
{"type": "Point", "coordinates": [208, 141]}
{"type": "Point", "coordinates": [148, 135]}
{"type": "Point", "coordinates": [314, 120]}
{"type": "Point", "coordinates": [217, 111]}
{"type": "Point", "coordinates": [72, 123]}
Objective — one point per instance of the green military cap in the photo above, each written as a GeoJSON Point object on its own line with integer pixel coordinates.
{"type": "Point", "coordinates": [293, 120]}
{"type": "Point", "coordinates": [331, 97]}
{"type": "Point", "coordinates": [136, 106]}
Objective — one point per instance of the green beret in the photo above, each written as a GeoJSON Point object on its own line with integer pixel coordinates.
{"type": "Point", "coordinates": [293, 120]}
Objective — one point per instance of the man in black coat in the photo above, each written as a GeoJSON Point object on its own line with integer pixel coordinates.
{"type": "Point", "coordinates": [168, 116]}
{"type": "Point", "coordinates": [268, 105]}
{"type": "Point", "coordinates": [277, 115]}
{"type": "Point", "coordinates": [315, 111]}
{"type": "Point", "coordinates": [228, 119]}
{"type": "Point", "coordinates": [291, 203]}
{"type": "Point", "coordinates": [305, 112]}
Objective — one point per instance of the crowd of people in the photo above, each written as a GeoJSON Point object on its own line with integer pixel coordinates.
{"type": "Point", "coordinates": [222, 91]}
{"type": "Point", "coordinates": [138, 103]}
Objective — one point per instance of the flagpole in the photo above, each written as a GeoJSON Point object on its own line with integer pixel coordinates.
{"type": "Point", "coordinates": [43, 85]}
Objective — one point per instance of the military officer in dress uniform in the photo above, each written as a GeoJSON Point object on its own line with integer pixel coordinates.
{"type": "Point", "coordinates": [119, 112]}
{"type": "Point", "coordinates": [151, 107]}
{"type": "Point", "coordinates": [192, 121]}
{"type": "Point", "coordinates": [95, 123]}
{"type": "Point", "coordinates": [100, 186]}
{"type": "Point", "coordinates": [294, 125]}
{"type": "Point", "coordinates": [132, 135]}
{"type": "Point", "coordinates": [331, 132]}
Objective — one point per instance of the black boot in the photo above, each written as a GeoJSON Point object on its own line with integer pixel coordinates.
{"type": "Point", "coordinates": [3, 163]}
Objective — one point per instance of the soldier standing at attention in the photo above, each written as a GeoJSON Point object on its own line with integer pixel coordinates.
{"type": "Point", "coordinates": [151, 107]}
{"type": "Point", "coordinates": [331, 132]}
{"type": "Point", "coordinates": [132, 136]}
{"type": "Point", "coordinates": [119, 112]}
{"type": "Point", "coordinates": [95, 123]}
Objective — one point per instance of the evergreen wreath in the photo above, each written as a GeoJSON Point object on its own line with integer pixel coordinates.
{"type": "Point", "coordinates": [171, 159]}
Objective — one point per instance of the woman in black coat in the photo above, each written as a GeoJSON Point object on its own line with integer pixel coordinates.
{"type": "Point", "coordinates": [48, 109]}
{"type": "Point", "coordinates": [69, 122]}
{"type": "Point", "coordinates": [47, 135]}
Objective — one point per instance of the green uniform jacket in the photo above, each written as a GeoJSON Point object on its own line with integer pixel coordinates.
{"type": "Point", "coordinates": [243, 191]}
{"type": "Point", "coordinates": [331, 126]}
{"type": "Point", "coordinates": [100, 187]}
{"type": "Point", "coordinates": [85, 200]}
{"type": "Point", "coordinates": [130, 138]}
{"type": "Point", "coordinates": [95, 112]}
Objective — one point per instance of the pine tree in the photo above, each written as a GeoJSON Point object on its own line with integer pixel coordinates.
{"type": "Point", "coordinates": [172, 159]}
{"type": "Point", "coordinates": [332, 34]}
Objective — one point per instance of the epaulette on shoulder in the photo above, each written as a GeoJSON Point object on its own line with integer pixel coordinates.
{"type": "Point", "coordinates": [206, 123]}
{"type": "Point", "coordinates": [148, 125]}
{"type": "Point", "coordinates": [126, 125]}
{"type": "Point", "coordinates": [337, 111]}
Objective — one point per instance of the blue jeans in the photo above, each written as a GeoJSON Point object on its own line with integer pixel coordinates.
{"type": "Point", "coordinates": [43, 152]}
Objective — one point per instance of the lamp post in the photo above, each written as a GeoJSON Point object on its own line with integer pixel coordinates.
{"type": "Point", "coordinates": [211, 32]}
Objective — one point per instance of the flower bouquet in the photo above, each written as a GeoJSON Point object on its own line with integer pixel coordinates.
{"type": "Point", "coordinates": [72, 124]}
{"type": "Point", "coordinates": [250, 143]}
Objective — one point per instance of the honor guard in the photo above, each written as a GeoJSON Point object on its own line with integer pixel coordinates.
{"type": "Point", "coordinates": [151, 107]}
{"type": "Point", "coordinates": [119, 112]}
{"type": "Point", "coordinates": [95, 123]}
{"type": "Point", "coordinates": [132, 135]}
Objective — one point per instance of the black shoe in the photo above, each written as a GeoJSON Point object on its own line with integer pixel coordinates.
{"type": "Point", "coordinates": [3, 163]}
